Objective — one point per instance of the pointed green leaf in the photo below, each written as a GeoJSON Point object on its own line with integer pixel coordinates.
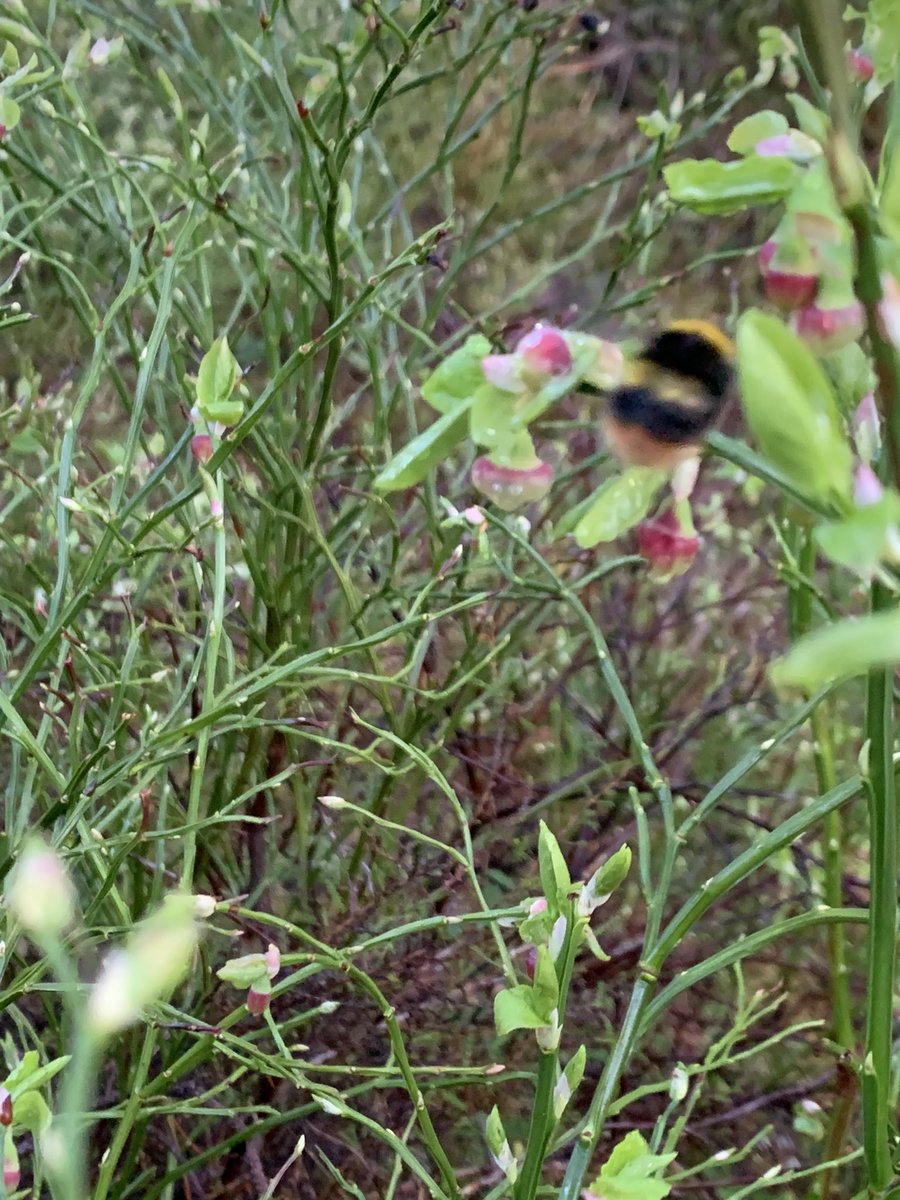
{"type": "Point", "coordinates": [839, 651]}
{"type": "Point", "coordinates": [618, 506]}
{"type": "Point", "coordinates": [216, 380]}
{"type": "Point", "coordinates": [791, 409]}
{"type": "Point", "coordinates": [514, 1009]}
{"type": "Point", "coordinates": [811, 120]}
{"type": "Point", "coordinates": [709, 186]}
{"type": "Point", "coordinates": [9, 113]}
{"type": "Point", "coordinates": [420, 456]}
{"type": "Point", "coordinates": [555, 878]}
{"type": "Point", "coordinates": [545, 993]}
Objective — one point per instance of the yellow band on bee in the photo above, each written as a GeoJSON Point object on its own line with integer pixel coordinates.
{"type": "Point", "coordinates": [710, 332]}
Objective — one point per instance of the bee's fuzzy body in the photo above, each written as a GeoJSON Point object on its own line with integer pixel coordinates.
{"type": "Point", "coordinates": [675, 390]}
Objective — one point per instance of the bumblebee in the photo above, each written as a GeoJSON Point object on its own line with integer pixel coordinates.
{"type": "Point", "coordinates": [673, 392]}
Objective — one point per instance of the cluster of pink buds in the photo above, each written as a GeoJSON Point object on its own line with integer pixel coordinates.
{"type": "Point", "coordinates": [540, 356]}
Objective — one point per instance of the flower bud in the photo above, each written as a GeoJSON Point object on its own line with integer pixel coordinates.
{"type": "Point", "coordinates": [545, 351]}
{"type": "Point", "coordinates": [668, 544]}
{"type": "Point", "coordinates": [11, 1173]}
{"type": "Point", "coordinates": [6, 1107]}
{"type": "Point", "coordinates": [789, 274]}
{"type": "Point", "coordinates": [511, 487]}
{"type": "Point", "coordinates": [40, 893]}
{"type": "Point", "coordinates": [867, 428]}
{"type": "Point", "coordinates": [202, 447]}
{"type": "Point", "coordinates": [867, 487]}
{"type": "Point", "coordinates": [889, 309]}
{"type": "Point", "coordinates": [259, 995]}
{"type": "Point", "coordinates": [204, 906]}
{"type": "Point", "coordinates": [860, 64]}
{"type": "Point", "coordinates": [146, 969]}
{"type": "Point", "coordinates": [793, 145]}
{"type": "Point", "coordinates": [502, 371]}
{"type": "Point", "coordinates": [826, 330]}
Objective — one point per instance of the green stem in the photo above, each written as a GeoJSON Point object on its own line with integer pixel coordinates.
{"type": "Point", "coordinates": [801, 610]}
{"type": "Point", "coordinates": [213, 645]}
{"type": "Point", "coordinates": [542, 1120]}
{"type": "Point", "coordinates": [882, 945]}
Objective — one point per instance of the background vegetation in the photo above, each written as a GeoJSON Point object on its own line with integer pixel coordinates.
{"type": "Point", "coordinates": [190, 661]}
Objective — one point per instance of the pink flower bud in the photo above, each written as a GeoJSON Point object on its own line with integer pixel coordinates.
{"type": "Point", "coordinates": [6, 1107]}
{"type": "Point", "coordinates": [889, 309]}
{"type": "Point", "coordinates": [258, 996]}
{"type": "Point", "coordinates": [272, 957]}
{"type": "Point", "coordinates": [789, 275]}
{"type": "Point", "coordinates": [202, 447]}
{"type": "Point", "coordinates": [867, 488]}
{"type": "Point", "coordinates": [667, 545]}
{"type": "Point", "coordinates": [861, 66]}
{"type": "Point", "coordinates": [537, 906]}
{"type": "Point", "coordinates": [867, 428]}
{"type": "Point", "coordinates": [502, 370]}
{"type": "Point", "coordinates": [826, 330]}
{"type": "Point", "coordinates": [545, 351]}
{"type": "Point", "coordinates": [791, 289]}
{"type": "Point", "coordinates": [777, 146]}
{"type": "Point", "coordinates": [530, 961]}
{"type": "Point", "coordinates": [794, 145]}
{"type": "Point", "coordinates": [11, 1175]}
{"type": "Point", "coordinates": [766, 253]}
{"type": "Point", "coordinates": [511, 487]}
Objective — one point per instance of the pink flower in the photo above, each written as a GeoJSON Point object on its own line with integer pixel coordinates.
{"type": "Point", "coordinates": [862, 68]}
{"type": "Point", "coordinates": [789, 275]}
{"type": "Point", "coordinates": [826, 330]}
{"type": "Point", "coordinates": [668, 544]}
{"type": "Point", "coordinates": [545, 351]}
{"type": "Point", "coordinates": [202, 447]}
{"type": "Point", "coordinates": [502, 370]}
{"type": "Point", "coordinates": [511, 487]}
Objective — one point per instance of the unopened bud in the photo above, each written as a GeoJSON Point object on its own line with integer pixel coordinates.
{"type": "Point", "coordinates": [40, 893]}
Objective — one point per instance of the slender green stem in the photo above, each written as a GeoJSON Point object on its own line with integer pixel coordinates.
{"type": "Point", "coordinates": [801, 607]}
{"type": "Point", "coordinates": [876, 1076]}
{"type": "Point", "coordinates": [213, 646]}
{"type": "Point", "coordinates": [542, 1120]}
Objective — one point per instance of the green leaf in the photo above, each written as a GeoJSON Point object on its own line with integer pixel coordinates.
{"type": "Point", "coordinates": [35, 1078]}
{"type": "Point", "coordinates": [418, 457]}
{"type": "Point", "coordinates": [865, 539]}
{"type": "Point", "coordinates": [618, 505]}
{"type": "Point", "coordinates": [709, 186]}
{"type": "Point", "coordinates": [811, 120]}
{"type": "Point", "coordinates": [555, 878]}
{"type": "Point", "coordinates": [458, 377]}
{"type": "Point", "coordinates": [883, 34]}
{"type": "Point", "coordinates": [545, 992]}
{"type": "Point", "coordinates": [514, 1009]}
{"type": "Point", "coordinates": [494, 423]}
{"type": "Point", "coordinates": [9, 113]}
{"type": "Point", "coordinates": [31, 1112]}
{"type": "Point", "coordinates": [494, 1133]}
{"type": "Point", "coordinates": [752, 130]}
{"type": "Point", "coordinates": [590, 940]}
{"type": "Point", "coordinates": [216, 380]}
{"type": "Point", "coordinates": [840, 651]}
{"type": "Point", "coordinates": [631, 1173]}
{"type": "Point", "coordinates": [791, 409]}
{"type": "Point", "coordinates": [17, 1081]}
